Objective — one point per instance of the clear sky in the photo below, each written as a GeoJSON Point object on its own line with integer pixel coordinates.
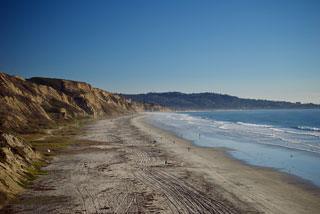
{"type": "Point", "coordinates": [254, 49]}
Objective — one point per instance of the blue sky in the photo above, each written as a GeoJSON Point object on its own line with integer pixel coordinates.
{"type": "Point", "coordinates": [253, 49]}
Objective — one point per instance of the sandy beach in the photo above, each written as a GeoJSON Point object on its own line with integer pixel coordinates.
{"type": "Point", "coordinates": [117, 168]}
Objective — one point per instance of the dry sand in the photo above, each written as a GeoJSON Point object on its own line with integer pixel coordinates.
{"type": "Point", "coordinates": [116, 168]}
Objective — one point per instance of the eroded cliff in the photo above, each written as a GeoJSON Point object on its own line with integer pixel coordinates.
{"type": "Point", "coordinates": [36, 103]}
{"type": "Point", "coordinates": [16, 162]}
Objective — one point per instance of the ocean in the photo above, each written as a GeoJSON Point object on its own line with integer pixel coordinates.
{"type": "Point", "coordinates": [286, 140]}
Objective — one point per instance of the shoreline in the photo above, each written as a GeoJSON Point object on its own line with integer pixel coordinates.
{"type": "Point", "coordinates": [300, 182]}
{"type": "Point", "coordinates": [256, 143]}
{"type": "Point", "coordinates": [287, 193]}
{"type": "Point", "coordinates": [296, 180]}
{"type": "Point", "coordinates": [116, 168]}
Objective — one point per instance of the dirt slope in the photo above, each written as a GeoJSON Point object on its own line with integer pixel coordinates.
{"type": "Point", "coordinates": [16, 158]}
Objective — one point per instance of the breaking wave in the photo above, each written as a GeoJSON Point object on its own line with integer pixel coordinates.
{"type": "Point", "coordinates": [301, 138]}
{"type": "Point", "coordinates": [307, 128]}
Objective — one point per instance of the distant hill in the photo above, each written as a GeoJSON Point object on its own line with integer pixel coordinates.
{"type": "Point", "coordinates": [205, 101]}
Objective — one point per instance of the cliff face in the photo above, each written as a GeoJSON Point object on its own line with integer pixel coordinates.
{"type": "Point", "coordinates": [16, 158]}
{"type": "Point", "coordinates": [27, 105]}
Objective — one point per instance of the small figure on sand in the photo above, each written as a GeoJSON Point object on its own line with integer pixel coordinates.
{"type": "Point", "coordinates": [188, 149]}
{"type": "Point", "coordinates": [173, 141]}
{"type": "Point", "coordinates": [154, 141]}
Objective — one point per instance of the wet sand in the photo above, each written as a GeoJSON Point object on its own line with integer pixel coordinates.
{"type": "Point", "coordinates": [263, 189]}
{"type": "Point", "coordinates": [116, 168]}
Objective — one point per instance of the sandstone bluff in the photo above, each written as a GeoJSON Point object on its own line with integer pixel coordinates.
{"type": "Point", "coordinates": [29, 106]}
{"type": "Point", "coordinates": [36, 103]}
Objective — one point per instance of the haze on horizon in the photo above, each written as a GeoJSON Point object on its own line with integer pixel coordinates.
{"type": "Point", "coordinates": [268, 49]}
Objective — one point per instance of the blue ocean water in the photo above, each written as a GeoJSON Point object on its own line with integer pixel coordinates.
{"type": "Point", "coordinates": [287, 140]}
